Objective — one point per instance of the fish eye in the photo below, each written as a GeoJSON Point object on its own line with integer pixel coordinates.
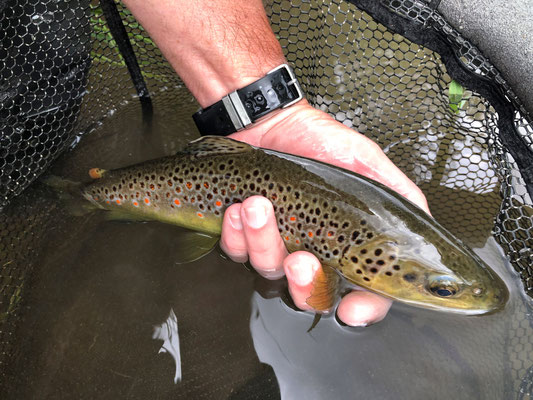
{"type": "Point", "coordinates": [443, 287]}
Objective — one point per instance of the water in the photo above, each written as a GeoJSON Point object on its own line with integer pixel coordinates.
{"type": "Point", "coordinates": [99, 288]}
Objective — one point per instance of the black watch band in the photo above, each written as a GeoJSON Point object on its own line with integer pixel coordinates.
{"type": "Point", "coordinates": [278, 89]}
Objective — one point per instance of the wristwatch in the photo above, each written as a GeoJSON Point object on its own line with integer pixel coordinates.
{"type": "Point", "coordinates": [278, 89]}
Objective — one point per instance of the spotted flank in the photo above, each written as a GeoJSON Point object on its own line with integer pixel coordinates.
{"type": "Point", "coordinates": [365, 232]}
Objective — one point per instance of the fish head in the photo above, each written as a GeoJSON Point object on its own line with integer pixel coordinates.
{"type": "Point", "coordinates": [447, 278]}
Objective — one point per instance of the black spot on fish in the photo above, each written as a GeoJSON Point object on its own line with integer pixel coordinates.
{"type": "Point", "coordinates": [373, 270]}
{"type": "Point", "coordinates": [378, 252]}
{"type": "Point", "coordinates": [396, 267]}
{"type": "Point", "coordinates": [364, 251]}
{"type": "Point", "coordinates": [363, 222]}
{"type": "Point", "coordinates": [354, 259]}
{"type": "Point", "coordinates": [409, 277]}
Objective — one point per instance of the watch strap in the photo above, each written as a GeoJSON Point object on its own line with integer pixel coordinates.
{"type": "Point", "coordinates": [278, 89]}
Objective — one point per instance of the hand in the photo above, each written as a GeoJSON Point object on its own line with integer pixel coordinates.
{"type": "Point", "coordinates": [250, 231]}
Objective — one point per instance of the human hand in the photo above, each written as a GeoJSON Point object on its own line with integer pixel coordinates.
{"type": "Point", "coordinates": [250, 229]}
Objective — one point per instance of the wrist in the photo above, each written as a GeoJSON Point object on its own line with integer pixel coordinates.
{"type": "Point", "coordinates": [216, 47]}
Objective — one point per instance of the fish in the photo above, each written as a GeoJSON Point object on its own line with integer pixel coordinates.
{"type": "Point", "coordinates": [359, 229]}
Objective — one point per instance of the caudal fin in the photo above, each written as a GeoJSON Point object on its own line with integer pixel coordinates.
{"type": "Point", "coordinates": [69, 192]}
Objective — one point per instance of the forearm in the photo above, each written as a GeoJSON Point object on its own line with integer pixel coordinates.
{"type": "Point", "coordinates": [215, 46]}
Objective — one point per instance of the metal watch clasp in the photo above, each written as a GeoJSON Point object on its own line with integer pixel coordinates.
{"type": "Point", "coordinates": [237, 111]}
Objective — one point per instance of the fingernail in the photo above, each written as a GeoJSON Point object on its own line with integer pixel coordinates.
{"type": "Point", "coordinates": [272, 273]}
{"type": "Point", "coordinates": [256, 217]}
{"type": "Point", "coordinates": [235, 221]}
{"type": "Point", "coordinates": [301, 275]}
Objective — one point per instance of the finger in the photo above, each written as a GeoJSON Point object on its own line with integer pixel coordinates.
{"type": "Point", "coordinates": [265, 247]}
{"type": "Point", "coordinates": [232, 240]}
{"type": "Point", "coordinates": [361, 308]}
{"type": "Point", "coordinates": [301, 268]}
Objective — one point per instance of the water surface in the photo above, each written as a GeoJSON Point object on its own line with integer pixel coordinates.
{"type": "Point", "coordinates": [99, 288]}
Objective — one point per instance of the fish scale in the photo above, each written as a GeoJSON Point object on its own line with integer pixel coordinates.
{"type": "Point", "coordinates": [369, 234]}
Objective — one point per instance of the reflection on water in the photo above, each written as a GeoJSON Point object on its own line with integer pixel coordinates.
{"type": "Point", "coordinates": [168, 333]}
{"type": "Point", "coordinates": [99, 288]}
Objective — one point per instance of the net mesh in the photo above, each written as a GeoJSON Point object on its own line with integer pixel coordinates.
{"type": "Point", "coordinates": [369, 64]}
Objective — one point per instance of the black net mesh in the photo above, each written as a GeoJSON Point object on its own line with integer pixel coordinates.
{"type": "Point", "coordinates": [392, 70]}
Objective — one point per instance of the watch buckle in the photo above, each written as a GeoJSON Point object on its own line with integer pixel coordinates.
{"type": "Point", "coordinates": [293, 82]}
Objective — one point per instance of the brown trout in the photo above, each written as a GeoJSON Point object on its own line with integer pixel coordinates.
{"type": "Point", "coordinates": [369, 234]}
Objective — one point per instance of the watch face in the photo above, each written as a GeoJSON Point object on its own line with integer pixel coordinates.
{"type": "Point", "coordinates": [267, 94]}
{"type": "Point", "coordinates": [257, 104]}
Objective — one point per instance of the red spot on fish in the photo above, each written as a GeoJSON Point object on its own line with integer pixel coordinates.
{"type": "Point", "coordinates": [218, 203]}
{"type": "Point", "coordinates": [108, 202]}
{"type": "Point", "coordinates": [286, 238]}
{"type": "Point", "coordinates": [330, 234]}
{"type": "Point", "coordinates": [310, 234]}
{"type": "Point", "coordinates": [189, 185]}
{"type": "Point", "coordinates": [118, 201]}
{"type": "Point", "coordinates": [169, 183]}
{"type": "Point", "coordinates": [177, 202]}
{"type": "Point", "coordinates": [95, 198]}
{"type": "Point", "coordinates": [200, 215]}
{"type": "Point", "coordinates": [147, 200]}
{"type": "Point", "coordinates": [136, 203]}
{"type": "Point", "coordinates": [152, 186]}
{"type": "Point", "coordinates": [297, 241]}
{"type": "Point", "coordinates": [293, 218]}
{"type": "Point", "coordinates": [206, 185]}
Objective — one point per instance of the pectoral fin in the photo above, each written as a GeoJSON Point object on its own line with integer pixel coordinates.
{"type": "Point", "coordinates": [325, 290]}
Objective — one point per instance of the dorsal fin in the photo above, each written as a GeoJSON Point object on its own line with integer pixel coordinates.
{"type": "Point", "coordinates": [215, 145]}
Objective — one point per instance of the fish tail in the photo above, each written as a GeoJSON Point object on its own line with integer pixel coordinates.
{"type": "Point", "coordinates": [69, 192]}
